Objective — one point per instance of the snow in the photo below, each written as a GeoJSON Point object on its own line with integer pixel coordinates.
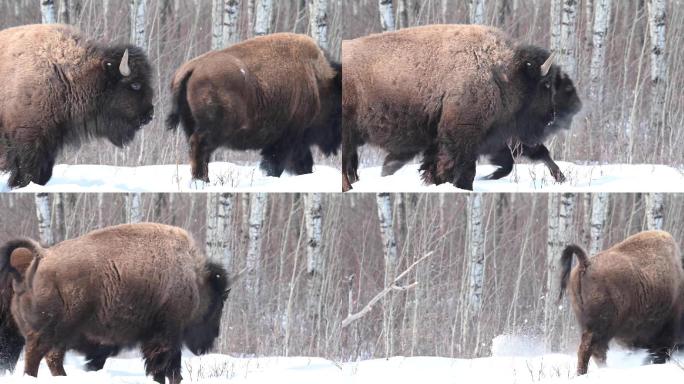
{"type": "Point", "coordinates": [623, 367]}
{"type": "Point", "coordinates": [536, 178]}
{"type": "Point", "coordinates": [223, 176]}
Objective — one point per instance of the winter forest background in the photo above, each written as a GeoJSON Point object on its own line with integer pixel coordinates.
{"type": "Point", "coordinates": [625, 57]}
{"type": "Point", "coordinates": [470, 268]}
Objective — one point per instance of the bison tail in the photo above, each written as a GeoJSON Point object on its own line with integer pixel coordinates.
{"type": "Point", "coordinates": [16, 266]}
{"type": "Point", "coordinates": [566, 264]}
{"type": "Point", "coordinates": [179, 101]}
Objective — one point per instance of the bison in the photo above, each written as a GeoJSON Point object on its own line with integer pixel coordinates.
{"type": "Point", "coordinates": [632, 292]}
{"type": "Point", "coordinates": [277, 93]}
{"type": "Point", "coordinates": [136, 284]}
{"type": "Point", "coordinates": [60, 88]}
{"type": "Point", "coordinates": [450, 92]}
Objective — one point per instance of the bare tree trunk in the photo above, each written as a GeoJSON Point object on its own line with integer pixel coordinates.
{"type": "Point", "coordinates": [655, 206]}
{"type": "Point", "coordinates": [47, 12]}
{"type": "Point", "coordinates": [44, 218]}
{"type": "Point", "coordinates": [657, 19]}
{"type": "Point", "coordinates": [218, 221]}
{"type": "Point", "coordinates": [100, 209]}
{"type": "Point", "coordinates": [231, 18]}
{"type": "Point", "coordinates": [390, 251]}
{"type": "Point", "coordinates": [402, 10]}
{"type": "Point", "coordinates": [477, 255]}
{"type": "Point", "coordinates": [601, 22]}
{"type": "Point", "coordinates": [386, 15]}
{"type": "Point", "coordinates": [318, 22]}
{"type": "Point", "coordinates": [599, 210]}
{"type": "Point", "coordinates": [559, 235]}
{"type": "Point", "coordinates": [476, 12]}
{"type": "Point", "coordinates": [264, 16]}
{"type": "Point", "coordinates": [138, 24]}
{"type": "Point", "coordinates": [314, 261]}
{"type": "Point", "coordinates": [64, 11]}
{"type": "Point", "coordinates": [555, 25]}
{"type": "Point", "coordinates": [569, 37]}
{"type": "Point", "coordinates": [216, 27]}
{"type": "Point", "coordinates": [133, 208]}
{"type": "Point", "coordinates": [256, 223]}
{"type": "Point", "coordinates": [59, 216]}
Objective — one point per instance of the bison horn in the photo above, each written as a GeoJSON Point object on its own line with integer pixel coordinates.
{"type": "Point", "coordinates": [547, 64]}
{"type": "Point", "coordinates": [123, 67]}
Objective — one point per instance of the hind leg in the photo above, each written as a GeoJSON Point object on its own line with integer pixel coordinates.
{"type": "Point", "coordinates": [599, 354]}
{"type": "Point", "coordinates": [658, 355]}
{"type": "Point", "coordinates": [350, 157]}
{"type": "Point", "coordinates": [55, 361]}
{"type": "Point", "coordinates": [273, 160]}
{"type": "Point", "coordinates": [394, 161]}
{"type": "Point", "coordinates": [201, 148]}
{"type": "Point", "coordinates": [300, 161]}
{"type": "Point", "coordinates": [162, 360]}
{"type": "Point", "coordinates": [591, 346]}
{"type": "Point", "coordinates": [98, 357]}
{"type": "Point", "coordinates": [36, 349]}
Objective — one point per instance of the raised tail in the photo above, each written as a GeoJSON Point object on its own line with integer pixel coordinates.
{"type": "Point", "coordinates": [16, 263]}
{"type": "Point", "coordinates": [566, 264]}
{"type": "Point", "coordinates": [180, 108]}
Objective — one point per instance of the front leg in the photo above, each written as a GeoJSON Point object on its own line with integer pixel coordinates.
{"type": "Point", "coordinates": [503, 158]}
{"type": "Point", "coordinates": [541, 153]}
{"type": "Point", "coordinates": [273, 160]}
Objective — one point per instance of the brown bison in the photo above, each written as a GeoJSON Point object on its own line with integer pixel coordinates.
{"type": "Point", "coordinates": [633, 292]}
{"type": "Point", "coordinates": [450, 92]}
{"type": "Point", "coordinates": [277, 93]}
{"type": "Point", "coordinates": [137, 284]}
{"type": "Point", "coordinates": [59, 88]}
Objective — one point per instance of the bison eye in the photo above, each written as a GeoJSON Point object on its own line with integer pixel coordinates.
{"type": "Point", "coordinates": [135, 86]}
{"type": "Point", "coordinates": [568, 88]}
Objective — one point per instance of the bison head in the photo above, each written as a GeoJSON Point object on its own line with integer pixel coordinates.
{"type": "Point", "coordinates": [200, 334]}
{"type": "Point", "coordinates": [126, 103]}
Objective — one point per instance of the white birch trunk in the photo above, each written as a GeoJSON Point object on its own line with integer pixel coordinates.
{"type": "Point", "coordinates": [568, 37]}
{"type": "Point", "coordinates": [64, 11]}
{"type": "Point", "coordinates": [218, 221]}
{"type": "Point", "coordinates": [100, 209]}
{"type": "Point", "coordinates": [47, 12]}
{"type": "Point", "coordinates": [313, 217]}
{"type": "Point", "coordinates": [138, 24]}
{"type": "Point", "coordinates": [477, 255]}
{"type": "Point", "coordinates": [256, 223]}
{"type": "Point", "coordinates": [655, 204]}
{"type": "Point", "coordinates": [318, 22]}
{"type": "Point", "coordinates": [216, 28]}
{"type": "Point", "coordinates": [402, 11]}
{"type": "Point", "coordinates": [44, 218]}
{"type": "Point", "coordinates": [264, 14]}
{"type": "Point", "coordinates": [656, 20]}
{"type": "Point", "coordinates": [386, 15]}
{"type": "Point", "coordinates": [133, 208]}
{"type": "Point", "coordinates": [476, 11]}
{"type": "Point", "coordinates": [385, 217]}
{"type": "Point", "coordinates": [231, 17]}
{"type": "Point", "coordinates": [59, 217]}
{"type": "Point", "coordinates": [599, 210]}
{"type": "Point", "coordinates": [598, 53]}
{"type": "Point", "coordinates": [555, 42]}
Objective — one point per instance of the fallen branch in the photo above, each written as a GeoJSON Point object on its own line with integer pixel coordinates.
{"type": "Point", "coordinates": [392, 287]}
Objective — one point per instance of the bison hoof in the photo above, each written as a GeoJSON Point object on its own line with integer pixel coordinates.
{"type": "Point", "coordinates": [559, 176]}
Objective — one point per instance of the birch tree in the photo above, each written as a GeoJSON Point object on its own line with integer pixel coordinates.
{"type": "Point", "coordinates": [655, 206]}
{"type": "Point", "coordinates": [133, 208]}
{"type": "Point", "coordinates": [477, 255]}
{"type": "Point", "coordinates": [318, 22]}
{"type": "Point", "coordinates": [599, 210]}
{"type": "Point", "coordinates": [598, 53]}
{"type": "Point", "coordinates": [64, 11]}
{"type": "Point", "coordinates": [385, 217]}
{"type": "Point", "coordinates": [218, 223]}
{"type": "Point", "coordinates": [264, 14]}
{"type": "Point", "coordinates": [560, 213]}
{"type": "Point", "coordinates": [59, 216]}
{"type": "Point", "coordinates": [402, 11]}
{"type": "Point", "coordinates": [555, 42]}
{"type": "Point", "coordinates": [44, 218]}
{"type": "Point", "coordinates": [656, 21]}
{"type": "Point", "coordinates": [386, 15]}
{"type": "Point", "coordinates": [568, 37]}
{"type": "Point", "coordinates": [47, 12]}
{"type": "Point", "coordinates": [216, 29]}
{"type": "Point", "coordinates": [476, 11]}
{"type": "Point", "coordinates": [138, 24]}
{"type": "Point", "coordinates": [256, 223]}
{"type": "Point", "coordinates": [231, 17]}
{"type": "Point", "coordinates": [314, 259]}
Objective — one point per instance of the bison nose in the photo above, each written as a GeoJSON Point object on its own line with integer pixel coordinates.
{"type": "Point", "coordinates": [149, 115]}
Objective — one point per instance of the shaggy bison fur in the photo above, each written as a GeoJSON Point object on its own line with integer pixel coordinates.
{"type": "Point", "coordinates": [632, 292]}
{"type": "Point", "coordinates": [450, 92]}
{"type": "Point", "coordinates": [138, 284]}
{"type": "Point", "coordinates": [276, 93]}
{"type": "Point", "coordinates": [59, 88]}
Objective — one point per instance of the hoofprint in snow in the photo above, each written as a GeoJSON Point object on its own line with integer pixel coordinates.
{"type": "Point", "coordinates": [223, 176]}
{"type": "Point", "coordinates": [536, 178]}
{"type": "Point", "coordinates": [520, 367]}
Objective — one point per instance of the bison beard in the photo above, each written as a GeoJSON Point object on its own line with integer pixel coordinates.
{"type": "Point", "coordinates": [280, 106]}
{"type": "Point", "coordinates": [143, 263]}
{"type": "Point", "coordinates": [646, 270]}
{"type": "Point", "coordinates": [65, 90]}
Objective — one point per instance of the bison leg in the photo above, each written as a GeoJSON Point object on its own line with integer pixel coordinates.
{"type": "Point", "coordinates": [350, 160]}
{"type": "Point", "coordinates": [465, 181]}
{"type": "Point", "coordinates": [658, 355]}
{"type": "Point", "coordinates": [504, 160]}
{"type": "Point", "coordinates": [588, 347]}
{"type": "Point", "coordinates": [300, 161]}
{"type": "Point", "coordinates": [35, 350]}
{"type": "Point", "coordinates": [200, 153]}
{"type": "Point", "coordinates": [173, 369]}
{"type": "Point", "coordinates": [55, 361]}
{"type": "Point", "coordinates": [273, 160]}
{"type": "Point", "coordinates": [599, 353]}
{"type": "Point", "coordinates": [394, 161]}
{"type": "Point", "coordinates": [98, 357]}
{"type": "Point", "coordinates": [162, 360]}
{"type": "Point", "coordinates": [541, 153]}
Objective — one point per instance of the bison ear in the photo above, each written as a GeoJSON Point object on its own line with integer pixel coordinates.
{"type": "Point", "coordinates": [20, 259]}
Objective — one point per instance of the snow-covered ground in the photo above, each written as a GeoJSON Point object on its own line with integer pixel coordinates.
{"type": "Point", "coordinates": [223, 176]}
{"type": "Point", "coordinates": [536, 178]}
{"type": "Point", "coordinates": [623, 367]}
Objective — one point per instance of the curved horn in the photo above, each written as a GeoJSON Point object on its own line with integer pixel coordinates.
{"type": "Point", "coordinates": [547, 64]}
{"type": "Point", "coordinates": [123, 67]}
